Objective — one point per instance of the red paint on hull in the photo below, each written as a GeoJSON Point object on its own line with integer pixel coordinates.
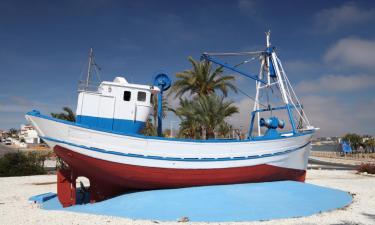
{"type": "Point", "coordinates": [112, 178]}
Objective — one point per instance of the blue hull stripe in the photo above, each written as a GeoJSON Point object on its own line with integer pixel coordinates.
{"type": "Point", "coordinates": [119, 125]}
{"type": "Point", "coordinates": [177, 159]}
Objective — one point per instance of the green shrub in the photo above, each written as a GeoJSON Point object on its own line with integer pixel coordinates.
{"type": "Point", "coordinates": [22, 164]}
{"type": "Point", "coordinates": [367, 167]}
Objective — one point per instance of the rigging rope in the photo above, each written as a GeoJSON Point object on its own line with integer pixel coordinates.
{"type": "Point", "coordinates": [233, 53]}
{"type": "Point", "coordinates": [254, 100]}
{"type": "Point", "coordinates": [303, 114]}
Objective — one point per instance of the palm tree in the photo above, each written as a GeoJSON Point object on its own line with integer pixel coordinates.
{"type": "Point", "coordinates": [202, 80]}
{"type": "Point", "coordinates": [224, 129]}
{"type": "Point", "coordinates": [155, 108]}
{"type": "Point", "coordinates": [203, 115]}
{"type": "Point", "coordinates": [149, 129]}
{"type": "Point", "coordinates": [13, 132]}
{"type": "Point", "coordinates": [67, 114]}
{"type": "Point", "coordinates": [354, 140]}
{"type": "Point", "coordinates": [190, 126]}
{"type": "Point", "coordinates": [370, 144]}
{"type": "Point", "coordinates": [214, 110]}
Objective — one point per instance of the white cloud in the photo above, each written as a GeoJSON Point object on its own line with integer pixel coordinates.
{"type": "Point", "coordinates": [332, 115]}
{"type": "Point", "coordinates": [336, 117]}
{"type": "Point", "coordinates": [242, 119]}
{"type": "Point", "coordinates": [336, 83]}
{"type": "Point", "coordinates": [328, 20]}
{"type": "Point", "coordinates": [352, 52]}
{"type": "Point", "coordinates": [13, 109]}
{"type": "Point", "coordinates": [329, 112]}
{"type": "Point", "coordinates": [17, 104]}
{"type": "Point", "coordinates": [324, 108]}
{"type": "Point", "coordinates": [298, 65]}
{"type": "Point", "coordinates": [13, 120]}
{"type": "Point", "coordinates": [298, 68]}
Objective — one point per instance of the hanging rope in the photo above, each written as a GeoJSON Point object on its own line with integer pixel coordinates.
{"type": "Point", "coordinates": [254, 100]}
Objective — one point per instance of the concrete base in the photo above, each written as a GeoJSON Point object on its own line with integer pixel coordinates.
{"type": "Point", "coordinates": [222, 203]}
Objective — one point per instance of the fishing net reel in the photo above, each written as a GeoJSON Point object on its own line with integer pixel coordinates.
{"type": "Point", "coordinates": [272, 124]}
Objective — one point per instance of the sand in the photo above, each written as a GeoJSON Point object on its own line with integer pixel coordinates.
{"type": "Point", "coordinates": [15, 208]}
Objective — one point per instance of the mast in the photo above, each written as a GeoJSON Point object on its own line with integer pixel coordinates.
{"type": "Point", "coordinates": [271, 67]}
{"type": "Point", "coordinates": [268, 45]}
{"type": "Point", "coordinates": [89, 68]}
{"type": "Point", "coordinates": [284, 94]}
{"type": "Point", "coordinates": [260, 77]}
{"type": "Point", "coordinates": [257, 89]}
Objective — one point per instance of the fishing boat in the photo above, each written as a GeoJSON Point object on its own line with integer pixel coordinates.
{"type": "Point", "coordinates": [104, 144]}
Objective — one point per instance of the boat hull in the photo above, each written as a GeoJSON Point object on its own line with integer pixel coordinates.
{"type": "Point", "coordinates": [108, 179]}
{"type": "Point", "coordinates": [115, 163]}
{"type": "Point", "coordinates": [143, 178]}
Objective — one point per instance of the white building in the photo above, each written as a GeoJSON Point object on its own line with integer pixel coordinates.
{"type": "Point", "coordinates": [29, 134]}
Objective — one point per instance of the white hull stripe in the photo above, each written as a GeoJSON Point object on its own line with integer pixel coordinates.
{"type": "Point", "coordinates": [177, 159]}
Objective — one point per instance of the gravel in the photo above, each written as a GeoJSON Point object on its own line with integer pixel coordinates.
{"type": "Point", "coordinates": [16, 209]}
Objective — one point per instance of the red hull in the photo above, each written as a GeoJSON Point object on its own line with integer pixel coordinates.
{"type": "Point", "coordinates": [110, 178]}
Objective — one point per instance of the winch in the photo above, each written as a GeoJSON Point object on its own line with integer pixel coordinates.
{"type": "Point", "coordinates": [272, 124]}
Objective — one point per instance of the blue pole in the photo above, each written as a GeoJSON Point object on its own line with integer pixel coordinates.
{"type": "Point", "coordinates": [209, 58]}
{"type": "Point", "coordinates": [160, 112]}
{"type": "Point", "coordinates": [290, 114]}
{"type": "Point", "coordinates": [164, 83]}
{"type": "Point", "coordinates": [252, 125]}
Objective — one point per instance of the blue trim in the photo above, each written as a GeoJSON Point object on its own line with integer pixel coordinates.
{"type": "Point", "coordinates": [38, 114]}
{"type": "Point", "coordinates": [175, 158]}
{"type": "Point", "coordinates": [121, 125]}
{"type": "Point", "coordinates": [42, 197]}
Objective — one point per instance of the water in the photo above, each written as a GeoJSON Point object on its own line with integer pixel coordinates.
{"type": "Point", "coordinates": [326, 148]}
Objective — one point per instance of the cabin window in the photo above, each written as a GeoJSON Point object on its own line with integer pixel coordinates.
{"type": "Point", "coordinates": [152, 99]}
{"type": "Point", "coordinates": [127, 95]}
{"type": "Point", "coordinates": [141, 96]}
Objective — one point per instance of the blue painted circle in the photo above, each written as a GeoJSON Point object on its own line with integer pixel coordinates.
{"type": "Point", "coordinates": [222, 203]}
{"type": "Point", "coordinates": [162, 81]}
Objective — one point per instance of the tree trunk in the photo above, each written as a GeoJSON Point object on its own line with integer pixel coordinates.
{"type": "Point", "coordinates": [210, 133]}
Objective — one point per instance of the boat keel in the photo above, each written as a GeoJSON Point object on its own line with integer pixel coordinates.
{"type": "Point", "coordinates": [67, 190]}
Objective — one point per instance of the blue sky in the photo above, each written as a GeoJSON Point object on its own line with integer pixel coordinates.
{"type": "Point", "coordinates": [328, 50]}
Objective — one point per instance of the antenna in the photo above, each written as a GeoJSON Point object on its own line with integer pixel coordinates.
{"type": "Point", "coordinates": [268, 45]}
{"type": "Point", "coordinates": [268, 35]}
{"type": "Point", "coordinates": [86, 83]}
{"type": "Point", "coordinates": [89, 68]}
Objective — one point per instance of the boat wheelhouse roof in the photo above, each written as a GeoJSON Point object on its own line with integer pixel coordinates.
{"type": "Point", "coordinates": [122, 82]}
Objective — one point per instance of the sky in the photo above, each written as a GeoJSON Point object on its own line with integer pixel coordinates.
{"type": "Point", "coordinates": [327, 49]}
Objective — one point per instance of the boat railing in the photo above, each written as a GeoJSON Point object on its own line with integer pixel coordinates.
{"type": "Point", "coordinates": [92, 86]}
